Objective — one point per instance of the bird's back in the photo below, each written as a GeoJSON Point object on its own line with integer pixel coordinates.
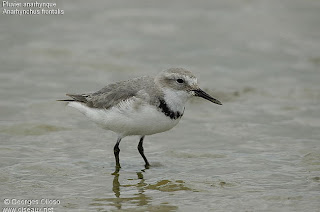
{"type": "Point", "coordinates": [112, 94]}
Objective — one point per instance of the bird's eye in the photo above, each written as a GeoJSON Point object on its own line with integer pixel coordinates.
{"type": "Point", "coordinates": [180, 80]}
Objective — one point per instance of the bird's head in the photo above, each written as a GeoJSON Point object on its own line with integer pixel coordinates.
{"type": "Point", "coordinates": [184, 82]}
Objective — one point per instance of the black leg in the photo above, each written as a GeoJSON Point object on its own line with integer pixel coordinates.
{"type": "Point", "coordinates": [141, 151]}
{"type": "Point", "coordinates": [116, 151]}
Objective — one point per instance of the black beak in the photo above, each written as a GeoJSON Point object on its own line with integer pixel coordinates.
{"type": "Point", "coordinates": [201, 93]}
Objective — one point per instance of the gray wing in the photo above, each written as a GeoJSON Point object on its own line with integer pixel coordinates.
{"type": "Point", "coordinates": [113, 94]}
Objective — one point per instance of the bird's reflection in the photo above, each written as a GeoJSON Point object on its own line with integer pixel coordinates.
{"type": "Point", "coordinates": [139, 199]}
{"type": "Point", "coordinates": [133, 193]}
{"type": "Point", "coordinates": [116, 185]}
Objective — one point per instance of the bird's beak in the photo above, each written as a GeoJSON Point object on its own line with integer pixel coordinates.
{"type": "Point", "coordinates": [201, 93]}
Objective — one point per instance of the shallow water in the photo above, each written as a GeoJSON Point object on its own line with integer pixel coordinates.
{"type": "Point", "coordinates": [258, 152]}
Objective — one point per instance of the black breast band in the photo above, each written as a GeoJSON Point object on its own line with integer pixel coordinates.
{"type": "Point", "coordinates": [168, 112]}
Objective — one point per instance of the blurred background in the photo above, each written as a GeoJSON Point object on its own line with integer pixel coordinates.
{"type": "Point", "coordinates": [258, 152]}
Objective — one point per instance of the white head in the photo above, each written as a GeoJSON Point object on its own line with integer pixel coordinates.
{"type": "Point", "coordinates": [183, 83]}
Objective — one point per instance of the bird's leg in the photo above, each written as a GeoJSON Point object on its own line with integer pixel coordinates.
{"type": "Point", "coordinates": [141, 151]}
{"type": "Point", "coordinates": [116, 151]}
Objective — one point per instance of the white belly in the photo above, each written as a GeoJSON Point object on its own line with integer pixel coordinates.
{"type": "Point", "coordinates": [127, 119]}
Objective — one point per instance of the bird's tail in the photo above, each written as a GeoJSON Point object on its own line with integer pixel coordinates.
{"type": "Point", "coordinates": [65, 100]}
{"type": "Point", "coordinates": [75, 98]}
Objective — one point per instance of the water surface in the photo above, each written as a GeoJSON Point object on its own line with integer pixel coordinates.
{"type": "Point", "coordinates": [258, 152]}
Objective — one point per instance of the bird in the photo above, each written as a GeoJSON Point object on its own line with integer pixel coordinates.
{"type": "Point", "coordinates": [140, 106]}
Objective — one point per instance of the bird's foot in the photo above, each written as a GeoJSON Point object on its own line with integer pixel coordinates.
{"type": "Point", "coordinates": [147, 165]}
{"type": "Point", "coordinates": [117, 169]}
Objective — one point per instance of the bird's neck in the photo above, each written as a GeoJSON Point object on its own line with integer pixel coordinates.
{"type": "Point", "coordinates": [175, 100]}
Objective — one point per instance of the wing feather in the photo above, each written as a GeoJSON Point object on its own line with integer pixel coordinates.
{"type": "Point", "coordinates": [115, 93]}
